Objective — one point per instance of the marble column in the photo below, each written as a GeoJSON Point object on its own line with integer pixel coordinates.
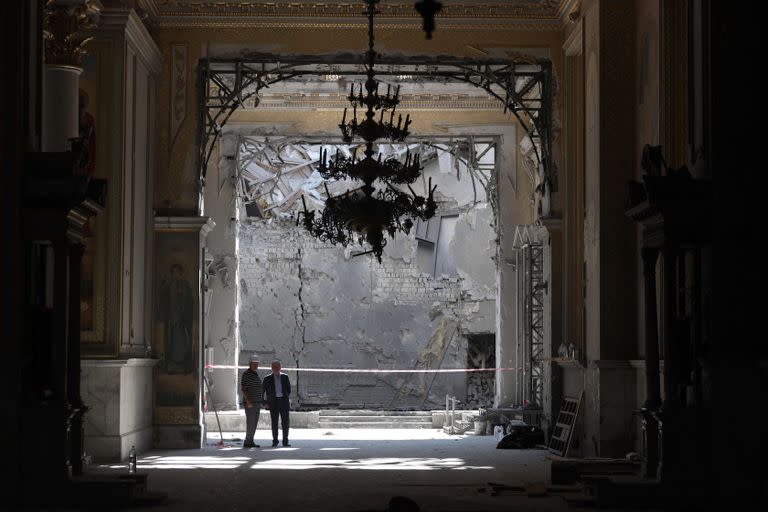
{"type": "Point", "coordinates": [653, 397]}
{"type": "Point", "coordinates": [670, 407]}
{"type": "Point", "coordinates": [60, 107]}
{"type": "Point", "coordinates": [74, 400]}
{"type": "Point", "coordinates": [65, 23]}
{"type": "Point", "coordinates": [669, 316]}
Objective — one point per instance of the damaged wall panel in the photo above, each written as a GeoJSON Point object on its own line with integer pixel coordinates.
{"type": "Point", "coordinates": [313, 305]}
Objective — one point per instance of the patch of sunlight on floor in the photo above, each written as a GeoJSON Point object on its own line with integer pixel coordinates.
{"type": "Point", "coordinates": [346, 434]}
{"type": "Point", "coordinates": [390, 463]}
{"type": "Point", "coordinates": [188, 462]}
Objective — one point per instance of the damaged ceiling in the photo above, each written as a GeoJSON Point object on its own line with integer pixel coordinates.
{"type": "Point", "coordinates": [274, 173]}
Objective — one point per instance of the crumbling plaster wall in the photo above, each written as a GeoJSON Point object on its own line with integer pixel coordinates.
{"type": "Point", "coordinates": [473, 290]}
{"type": "Point", "coordinates": [315, 306]}
{"type": "Point", "coordinates": [220, 325]}
{"type": "Point", "coordinates": [479, 311]}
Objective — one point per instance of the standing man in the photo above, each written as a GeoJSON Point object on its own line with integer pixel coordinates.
{"type": "Point", "coordinates": [277, 387]}
{"type": "Point", "coordinates": [253, 394]}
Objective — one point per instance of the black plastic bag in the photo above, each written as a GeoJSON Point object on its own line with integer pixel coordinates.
{"type": "Point", "coordinates": [521, 437]}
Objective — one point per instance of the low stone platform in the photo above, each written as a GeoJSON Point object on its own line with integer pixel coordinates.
{"type": "Point", "coordinates": [234, 421]}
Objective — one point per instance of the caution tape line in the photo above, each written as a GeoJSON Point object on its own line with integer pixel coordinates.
{"type": "Point", "coordinates": [372, 370]}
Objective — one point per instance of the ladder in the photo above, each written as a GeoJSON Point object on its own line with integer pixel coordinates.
{"type": "Point", "coordinates": [562, 433]}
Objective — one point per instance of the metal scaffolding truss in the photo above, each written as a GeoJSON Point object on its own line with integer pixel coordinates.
{"type": "Point", "coordinates": [523, 87]}
{"type": "Point", "coordinates": [534, 318]}
{"type": "Point", "coordinates": [530, 266]}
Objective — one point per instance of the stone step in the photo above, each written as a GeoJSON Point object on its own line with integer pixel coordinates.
{"type": "Point", "coordinates": [234, 421]}
{"type": "Point", "coordinates": [459, 427]}
{"type": "Point", "coordinates": [363, 424]}
{"type": "Point", "coordinates": [376, 424]}
{"type": "Point", "coordinates": [333, 412]}
{"type": "Point", "coordinates": [376, 419]}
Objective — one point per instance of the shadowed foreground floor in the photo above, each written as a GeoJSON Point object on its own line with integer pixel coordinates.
{"type": "Point", "coordinates": [349, 470]}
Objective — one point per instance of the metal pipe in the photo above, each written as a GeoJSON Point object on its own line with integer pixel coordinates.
{"type": "Point", "coordinates": [518, 376]}
{"type": "Point", "coordinates": [446, 409]}
{"type": "Point", "coordinates": [453, 415]}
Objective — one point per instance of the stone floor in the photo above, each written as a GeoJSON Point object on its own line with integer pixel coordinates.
{"type": "Point", "coordinates": [348, 470]}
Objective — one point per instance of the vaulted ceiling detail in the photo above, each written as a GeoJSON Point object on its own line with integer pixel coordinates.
{"type": "Point", "coordinates": [199, 13]}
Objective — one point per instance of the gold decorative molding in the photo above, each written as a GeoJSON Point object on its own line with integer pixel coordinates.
{"type": "Point", "coordinates": [236, 23]}
{"type": "Point", "coordinates": [64, 30]}
{"type": "Point", "coordinates": [514, 9]}
{"type": "Point", "coordinates": [523, 14]}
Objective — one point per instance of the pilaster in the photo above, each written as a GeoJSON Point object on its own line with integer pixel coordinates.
{"type": "Point", "coordinates": [177, 330]}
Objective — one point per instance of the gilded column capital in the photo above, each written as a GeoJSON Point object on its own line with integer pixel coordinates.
{"type": "Point", "coordinates": [65, 29]}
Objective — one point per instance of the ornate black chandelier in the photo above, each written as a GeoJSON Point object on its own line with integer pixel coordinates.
{"type": "Point", "coordinates": [366, 214]}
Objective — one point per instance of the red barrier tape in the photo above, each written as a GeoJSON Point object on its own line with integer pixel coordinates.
{"type": "Point", "coordinates": [373, 370]}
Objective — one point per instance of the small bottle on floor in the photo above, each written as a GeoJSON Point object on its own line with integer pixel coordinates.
{"type": "Point", "coordinates": [132, 460]}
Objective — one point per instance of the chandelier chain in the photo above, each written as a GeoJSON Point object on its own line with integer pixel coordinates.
{"type": "Point", "coordinates": [365, 214]}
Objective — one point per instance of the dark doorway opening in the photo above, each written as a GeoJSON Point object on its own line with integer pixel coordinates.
{"type": "Point", "coordinates": [481, 353]}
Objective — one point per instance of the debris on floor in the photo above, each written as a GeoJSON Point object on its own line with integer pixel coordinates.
{"type": "Point", "coordinates": [398, 504]}
{"type": "Point", "coordinates": [569, 470]}
{"type": "Point", "coordinates": [521, 437]}
{"type": "Point", "coordinates": [534, 490]}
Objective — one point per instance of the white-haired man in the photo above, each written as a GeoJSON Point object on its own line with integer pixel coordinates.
{"type": "Point", "coordinates": [277, 387]}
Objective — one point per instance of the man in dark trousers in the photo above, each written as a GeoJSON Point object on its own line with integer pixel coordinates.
{"type": "Point", "coordinates": [277, 387]}
{"type": "Point", "coordinates": [250, 383]}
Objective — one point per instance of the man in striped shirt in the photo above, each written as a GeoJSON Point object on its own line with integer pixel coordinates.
{"type": "Point", "coordinates": [253, 395]}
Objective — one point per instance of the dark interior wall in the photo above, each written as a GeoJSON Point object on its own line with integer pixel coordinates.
{"type": "Point", "coordinates": [481, 353]}
{"type": "Point", "coordinates": [19, 21]}
{"type": "Point", "coordinates": [618, 309]}
{"type": "Point", "coordinates": [739, 356]}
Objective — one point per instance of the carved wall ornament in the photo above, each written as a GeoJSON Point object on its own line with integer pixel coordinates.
{"type": "Point", "coordinates": [575, 14]}
{"type": "Point", "coordinates": [178, 88]}
{"type": "Point", "coordinates": [653, 160]}
{"type": "Point", "coordinates": [65, 27]}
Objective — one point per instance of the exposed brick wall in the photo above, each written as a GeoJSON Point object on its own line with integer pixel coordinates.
{"type": "Point", "coordinates": [402, 283]}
